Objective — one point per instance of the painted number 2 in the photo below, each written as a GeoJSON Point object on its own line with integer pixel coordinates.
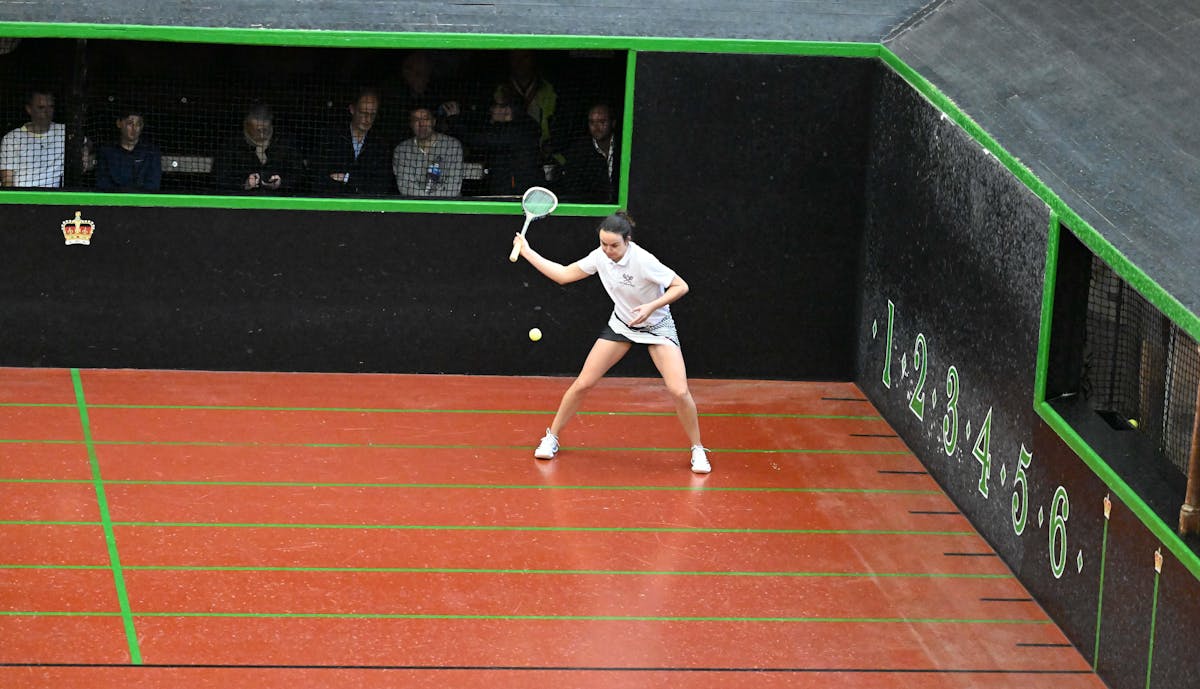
{"type": "Point", "coordinates": [920, 364]}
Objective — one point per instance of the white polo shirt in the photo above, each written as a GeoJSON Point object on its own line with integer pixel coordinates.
{"type": "Point", "coordinates": [36, 160]}
{"type": "Point", "coordinates": [638, 278]}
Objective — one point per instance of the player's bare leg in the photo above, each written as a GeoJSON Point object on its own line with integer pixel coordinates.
{"type": "Point", "coordinates": [669, 361]}
{"type": "Point", "coordinates": [604, 354]}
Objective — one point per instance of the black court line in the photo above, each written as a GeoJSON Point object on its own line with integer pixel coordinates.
{"type": "Point", "coordinates": [558, 668]}
{"type": "Point", "coordinates": [1033, 645]}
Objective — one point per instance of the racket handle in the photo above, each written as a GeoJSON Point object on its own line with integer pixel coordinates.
{"type": "Point", "coordinates": [516, 250]}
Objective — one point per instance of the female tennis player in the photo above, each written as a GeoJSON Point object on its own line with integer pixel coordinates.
{"type": "Point", "coordinates": [641, 288]}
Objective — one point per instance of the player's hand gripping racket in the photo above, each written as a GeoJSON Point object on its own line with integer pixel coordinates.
{"type": "Point", "coordinates": [537, 202]}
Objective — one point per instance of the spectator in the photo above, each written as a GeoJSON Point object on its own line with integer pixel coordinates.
{"type": "Point", "coordinates": [430, 163]}
{"type": "Point", "coordinates": [262, 161]}
{"type": "Point", "coordinates": [354, 160]}
{"type": "Point", "coordinates": [510, 149]}
{"type": "Point", "coordinates": [32, 154]}
{"type": "Point", "coordinates": [592, 166]}
{"type": "Point", "coordinates": [132, 163]}
{"type": "Point", "coordinates": [536, 94]}
{"type": "Point", "coordinates": [419, 88]}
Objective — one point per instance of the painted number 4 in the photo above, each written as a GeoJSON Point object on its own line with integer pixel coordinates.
{"type": "Point", "coordinates": [983, 453]}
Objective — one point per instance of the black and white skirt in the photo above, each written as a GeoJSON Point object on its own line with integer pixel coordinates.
{"type": "Point", "coordinates": [662, 332]}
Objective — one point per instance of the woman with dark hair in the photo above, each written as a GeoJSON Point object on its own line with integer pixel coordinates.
{"type": "Point", "coordinates": [641, 288]}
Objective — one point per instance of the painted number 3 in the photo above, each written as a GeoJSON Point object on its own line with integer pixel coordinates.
{"type": "Point", "coordinates": [950, 418]}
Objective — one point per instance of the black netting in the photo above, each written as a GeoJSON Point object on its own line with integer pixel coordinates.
{"type": "Point", "coordinates": [203, 108]}
{"type": "Point", "coordinates": [1140, 367]}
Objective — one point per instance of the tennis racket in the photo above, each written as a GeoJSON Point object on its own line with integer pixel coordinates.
{"type": "Point", "coordinates": [537, 202]}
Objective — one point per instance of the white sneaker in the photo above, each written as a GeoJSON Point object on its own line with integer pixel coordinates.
{"type": "Point", "coordinates": [700, 463]}
{"type": "Point", "coordinates": [548, 447]}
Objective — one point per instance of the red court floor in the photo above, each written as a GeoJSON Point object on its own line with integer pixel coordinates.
{"type": "Point", "coordinates": [192, 529]}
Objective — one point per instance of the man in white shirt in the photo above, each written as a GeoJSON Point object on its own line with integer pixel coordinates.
{"type": "Point", "coordinates": [32, 154]}
{"type": "Point", "coordinates": [430, 163]}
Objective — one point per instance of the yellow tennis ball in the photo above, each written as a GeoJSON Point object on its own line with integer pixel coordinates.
{"type": "Point", "coordinates": [535, 334]}
{"type": "Point", "coordinates": [1133, 423]}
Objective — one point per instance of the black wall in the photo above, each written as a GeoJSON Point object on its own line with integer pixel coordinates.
{"type": "Point", "coordinates": [958, 245]}
{"type": "Point", "coordinates": [753, 168]}
{"type": "Point", "coordinates": [747, 179]}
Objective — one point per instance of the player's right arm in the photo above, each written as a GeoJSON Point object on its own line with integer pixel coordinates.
{"type": "Point", "coordinates": [555, 271]}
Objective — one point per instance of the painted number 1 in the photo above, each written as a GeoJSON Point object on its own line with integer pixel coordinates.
{"type": "Point", "coordinates": [887, 350]}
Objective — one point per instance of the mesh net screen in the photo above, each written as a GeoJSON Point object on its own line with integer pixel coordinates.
{"type": "Point", "coordinates": [1141, 366]}
{"type": "Point", "coordinates": [224, 119]}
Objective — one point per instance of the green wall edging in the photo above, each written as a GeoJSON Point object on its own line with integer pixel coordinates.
{"type": "Point", "coordinates": [313, 38]}
{"type": "Point", "coordinates": [1125, 268]}
{"type": "Point", "coordinates": [1090, 457]}
{"type": "Point", "coordinates": [1149, 289]}
{"type": "Point", "coordinates": [1157, 526]}
{"type": "Point", "coordinates": [382, 205]}
{"type": "Point", "coordinates": [377, 39]}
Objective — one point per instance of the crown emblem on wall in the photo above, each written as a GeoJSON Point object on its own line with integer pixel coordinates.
{"type": "Point", "coordinates": [77, 230]}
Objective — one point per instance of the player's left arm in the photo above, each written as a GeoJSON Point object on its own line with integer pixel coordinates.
{"type": "Point", "coordinates": [674, 292]}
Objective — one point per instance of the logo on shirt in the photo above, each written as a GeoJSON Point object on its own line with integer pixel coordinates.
{"type": "Point", "coordinates": [626, 279]}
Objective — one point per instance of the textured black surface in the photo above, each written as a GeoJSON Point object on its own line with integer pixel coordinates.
{"type": "Point", "coordinates": [1097, 100]}
{"type": "Point", "coordinates": [754, 166]}
{"type": "Point", "coordinates": [807, 20]}
{"type": "Point", "coordinates": [761, 220]}
{"type": "Point", "coordinates": [957, 244]}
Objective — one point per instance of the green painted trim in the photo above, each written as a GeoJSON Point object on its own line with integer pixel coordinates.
{"type": "Point", "coordinates": [394, 410]}
{"type": "Point", "coordinates": [88, 199]}
{"type": "Point", "coordinates": [110, 538]}
{"type": "Point", "coordinates": [1121, 265]}
{"type": "Point", "coordinates": [475, 486]}
{"type": "Point", "coordinates": [541, 529]}
{"type": "Point", "coordinates": [570, 618]}
{"type": "Point", "coordinates": [417, 446]}
{"type": "Point", "coordinates": [463, 41]}
{"type": "Point", "coordinates": [1132, 500]}
{"type": "Point", "coordinates": [366, 39]}
{"type": "Point", "coordinates": [1153, 623]}
{"type": "Point", "coordinates": [1100, 596]}
{"type": "Point", "coordinates": [1061, 214]}
{"type": "Point", "coordinates": [627, 128]}
{"type": "Point", "coordinates": [538, 572]}
{"type": "Point", "coordinates": [1049, 283]}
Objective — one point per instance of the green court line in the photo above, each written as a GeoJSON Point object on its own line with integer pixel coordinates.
{"type": "Point", "coordinates": [385, 410]}
{"type": "Point", "coordinates": [483, 486]}
{"type": "Point", "coordinates": [480, 527]}
{"type": "Point", "coordinates": [404, 446]}
{"type": "Point", "coordinates": [564, 618]}
{"type": "Point", "coordinates": [1153, 622]}
{"type": "Point", "coordinates": [564, 529]}
{"type": "Point", "coordinates": [481, 570]}
{"type": "Point", "coordinates": [1100, 595]}
{"type": "Point", "coordinates": [110, 539]}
